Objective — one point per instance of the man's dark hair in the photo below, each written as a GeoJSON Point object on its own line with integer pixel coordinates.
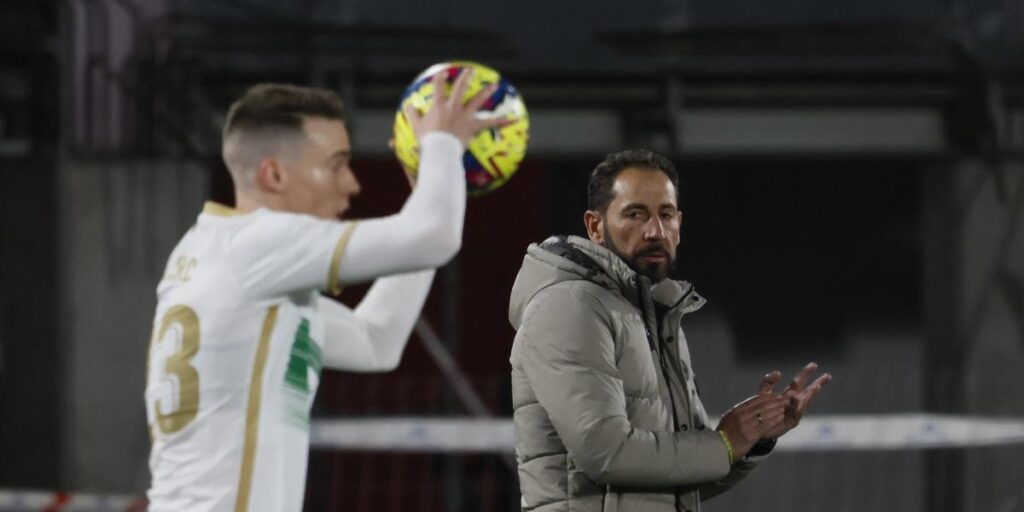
{"type": "Point", "coordinates": [280, 106]}
{"type": "Point", "coordinates": [599, 188]}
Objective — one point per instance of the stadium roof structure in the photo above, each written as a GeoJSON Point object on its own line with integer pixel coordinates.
{"type": "Point", "coordinates": [628, 70]}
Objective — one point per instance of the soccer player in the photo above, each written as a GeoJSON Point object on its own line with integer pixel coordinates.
{"type": "Point", "coordinates": [241, 331]}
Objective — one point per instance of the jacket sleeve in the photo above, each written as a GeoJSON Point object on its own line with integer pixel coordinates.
{"type": "Point", "coordinates": [738, 472]}
{"type": "Point", "coordinates": [566, 348]}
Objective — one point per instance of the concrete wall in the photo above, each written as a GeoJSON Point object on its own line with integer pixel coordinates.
{"type": "Point", "coordinates": [967, 359]}
{"type": "Point", "coordinates": [990, 315]}
{"type": "Point", "coordinates": [974, 317]}
{"type": "Point", "coordinates": [118, 221]}
{"type": "Point", "coordinates": [880, 370]}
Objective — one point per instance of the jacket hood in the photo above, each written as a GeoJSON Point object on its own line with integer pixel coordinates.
{"type": "Point", "coordinates": [568, 258]}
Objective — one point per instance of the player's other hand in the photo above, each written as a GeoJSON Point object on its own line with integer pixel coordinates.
{"type": "Point", "coordinates": [448, 113]}
{"type": "Point", "coordinates": [747, 422]}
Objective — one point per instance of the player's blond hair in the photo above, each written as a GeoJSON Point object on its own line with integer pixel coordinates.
{"type": "Point", "coordinates": [267, 121]}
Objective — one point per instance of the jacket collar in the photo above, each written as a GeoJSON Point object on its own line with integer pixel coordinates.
{"type": "Point", "coordinates": [604, 267]}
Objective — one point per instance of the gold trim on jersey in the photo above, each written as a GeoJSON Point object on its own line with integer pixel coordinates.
{"type": "Point", "coordinates": [333, 279]}
{"type": "Point", "coordinates": [220, 210]}
{"type": "Point", "coordinates": [252, 412]}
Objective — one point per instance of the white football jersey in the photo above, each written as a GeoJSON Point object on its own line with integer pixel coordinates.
{"type": "Point", "coordinates": [235, 359]}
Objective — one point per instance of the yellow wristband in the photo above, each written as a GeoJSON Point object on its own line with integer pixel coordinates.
{"type": "Point", "coordinates": [728, 446]}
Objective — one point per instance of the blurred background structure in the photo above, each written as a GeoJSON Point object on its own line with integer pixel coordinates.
{"type": "Point", "coordinates": [853, 193]}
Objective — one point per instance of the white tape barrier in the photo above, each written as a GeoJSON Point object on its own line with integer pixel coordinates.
{"type": "Point", "coordinates": [817, 433]}
{"type": "Point", "coordinates": [48, 501]}
{"type": "Point", "coordinates": [410, 434]}
{"type": "Point", "coordinates": [469, 435]}
{"type": "Point", "coordinates": [901, 432]}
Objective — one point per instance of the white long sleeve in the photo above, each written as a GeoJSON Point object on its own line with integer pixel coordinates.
{"type": "Point", "coordinates": [427, 232]}
{"type": "Point", "coordinates": [373, 337]}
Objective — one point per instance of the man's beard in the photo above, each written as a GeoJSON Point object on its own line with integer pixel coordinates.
{"type": "Point", "coordinates": [654, 271]}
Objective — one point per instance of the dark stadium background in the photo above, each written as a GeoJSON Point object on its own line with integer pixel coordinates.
{"type": "Point", "coordinates": [851, 181]}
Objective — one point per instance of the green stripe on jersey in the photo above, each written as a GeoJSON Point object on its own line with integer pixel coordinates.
{"type": "Point", "coordinates": [305, 356]}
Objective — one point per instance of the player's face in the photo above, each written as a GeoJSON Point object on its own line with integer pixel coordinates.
{"type": "Point", "coordinates": [641, 224]}
{"type": "Point", "coordinates": [321, 181]}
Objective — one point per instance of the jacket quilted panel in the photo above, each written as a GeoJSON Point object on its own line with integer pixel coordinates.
{"type": "Point", "coordinates": [606, 412]}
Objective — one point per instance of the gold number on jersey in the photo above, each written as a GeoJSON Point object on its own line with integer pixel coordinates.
{"type": "Point", "coordinates": [179, 364]}
{"type": "Point", "coordinates": [182, 269]}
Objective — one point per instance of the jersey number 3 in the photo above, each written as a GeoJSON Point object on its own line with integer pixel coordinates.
{"type": "Point", "coordinates": [179, 370]}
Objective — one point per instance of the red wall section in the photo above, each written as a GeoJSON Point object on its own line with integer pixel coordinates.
{"type": "Point", "coordinates": [498, 228]}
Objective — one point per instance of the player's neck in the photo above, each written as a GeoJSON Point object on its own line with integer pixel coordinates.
{"type": "Point", "coordinates": [246, 202]}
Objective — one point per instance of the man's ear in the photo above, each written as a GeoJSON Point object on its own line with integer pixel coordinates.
{"type": "Point", "coordinates": [594, 222]}
{"type": "Point", "coordinates": [270, 177]}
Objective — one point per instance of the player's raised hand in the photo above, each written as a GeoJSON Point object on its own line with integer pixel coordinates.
{"type": "Point", "coordinates": [798, 396]}
{"type": "Point", "coordinates": [449, 113]}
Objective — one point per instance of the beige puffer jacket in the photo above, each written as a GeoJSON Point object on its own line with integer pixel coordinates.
{"type": "Point", "coordinates": [607, 417]}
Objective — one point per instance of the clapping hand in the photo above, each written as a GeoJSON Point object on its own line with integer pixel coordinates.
{"type": "Point", "coordinates": [745, 424]}
{"type": "Point", "coordinates": [797, 397]}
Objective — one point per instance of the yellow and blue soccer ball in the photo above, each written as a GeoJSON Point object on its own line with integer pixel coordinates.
{"type": "Point", "coordinates": [494, 155]}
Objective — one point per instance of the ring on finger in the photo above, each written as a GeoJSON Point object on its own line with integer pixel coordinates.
{"type": "Point", "coordinates": [760, 419]}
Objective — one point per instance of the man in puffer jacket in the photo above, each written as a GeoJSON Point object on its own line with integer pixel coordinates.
{"type": "Point", "coordinates": [607, 416]}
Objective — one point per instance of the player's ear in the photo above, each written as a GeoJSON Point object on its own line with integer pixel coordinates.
{"type": "Point", "coordinates": [270, 177]}
{"type": "Point", "coordinates": [594, 221]}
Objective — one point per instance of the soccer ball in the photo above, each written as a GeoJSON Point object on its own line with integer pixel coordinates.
{"type": "Point", "coordinates": [494, 154]}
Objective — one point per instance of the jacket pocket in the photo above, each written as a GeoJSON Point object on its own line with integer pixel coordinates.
{"type": "Point", "coordinates": [611, 500]}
